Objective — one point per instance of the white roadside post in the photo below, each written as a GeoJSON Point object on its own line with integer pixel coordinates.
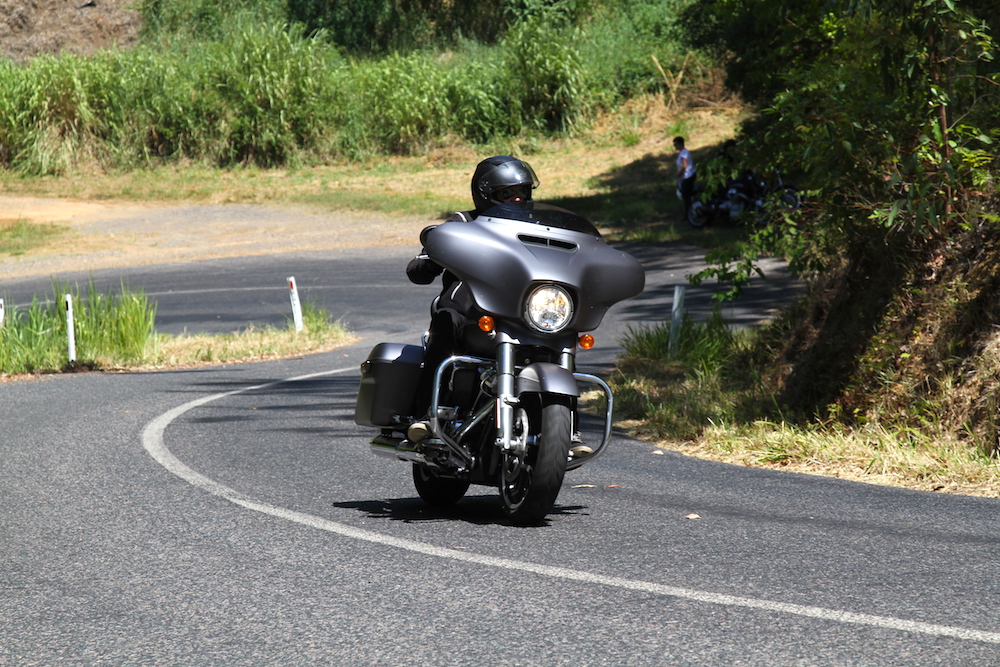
{"type": "Point", "coordinates": [1, 314]}
{"type": "Point", "coordinates": [676, 317]}
{"type": "Point", "coordinates": [296, 305]}
{"type": "Point", "coordinates": [70, 330]}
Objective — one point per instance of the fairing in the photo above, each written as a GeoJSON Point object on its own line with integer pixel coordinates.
{"type": "Point", "coordinates": [510, 248]}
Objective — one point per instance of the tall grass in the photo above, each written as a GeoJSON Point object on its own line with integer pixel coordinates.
{"type": "Point", "coordinates": [116, 330]}
{"type": "Point", "coordinates": [268, 93]}
{"type": "Point", "coordinates": [110, 329]}
{"type": "Point", "coordinates": [679, 387]}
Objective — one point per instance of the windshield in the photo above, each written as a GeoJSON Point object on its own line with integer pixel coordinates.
{"type": "Point", "coordinates": [541, 214]}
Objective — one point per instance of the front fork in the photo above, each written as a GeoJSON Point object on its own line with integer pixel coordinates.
{"type": "Point", "coordinates": [506, 398]}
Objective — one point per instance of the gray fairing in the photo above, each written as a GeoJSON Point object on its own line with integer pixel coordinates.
{"type": "Point", "coordinates": [510, 248]}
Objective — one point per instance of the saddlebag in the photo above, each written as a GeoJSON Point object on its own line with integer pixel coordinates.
{"type": "Point", "coordinates": [388, 384]}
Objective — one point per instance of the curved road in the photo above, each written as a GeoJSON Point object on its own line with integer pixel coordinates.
{"type": "Point", "coordinates": [233, 515]}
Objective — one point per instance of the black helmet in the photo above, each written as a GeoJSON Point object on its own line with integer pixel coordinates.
{"type": "Point", "coordinates": [496, 173]}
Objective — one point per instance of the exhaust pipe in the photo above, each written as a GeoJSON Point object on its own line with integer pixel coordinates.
{"type": "Point", "coordinates": [398, 449]}
{"type": "Point", "coordinates": [385, 446]}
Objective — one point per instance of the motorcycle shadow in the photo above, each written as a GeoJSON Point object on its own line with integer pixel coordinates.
{"type": "Point", "coordinates": [481, 510]}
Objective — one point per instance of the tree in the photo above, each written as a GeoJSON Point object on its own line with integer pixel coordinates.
{"type": "Point", "coordinates": [888, 108]}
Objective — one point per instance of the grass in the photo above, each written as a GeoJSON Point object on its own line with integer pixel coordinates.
{"type": "Point", "coordinates": [319, 334]}
{"type": "Point", "coordinates": [108, 329]}
{"type": "Point", "coordinates": [623, 184]}
{"type": "Point", "coordinates": [268, 92]}
{"type": "Point", "coordinates": [115, 331]}
{"type": "Point", "coordinates": [18, 236]}
{"type": "Point", "coordinates": [872, 454]}
{"type": "Point", "coordinates": [704, 397]}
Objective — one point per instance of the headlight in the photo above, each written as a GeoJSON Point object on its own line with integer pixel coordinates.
{"type": "Point", "coordinates": [549, 308]}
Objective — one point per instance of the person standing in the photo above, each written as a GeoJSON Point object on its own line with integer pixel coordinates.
{"type": "Point", "coordinates": [685, 174]}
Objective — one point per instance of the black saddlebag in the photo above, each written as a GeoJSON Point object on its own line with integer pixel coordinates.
{"type": "Point", "coordinates": [388, 384]}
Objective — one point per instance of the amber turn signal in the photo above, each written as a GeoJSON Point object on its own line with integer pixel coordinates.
{"type": "Point", "coordinates": [486, 323]}
{"type": "Point", "coordinates": [586, 341]}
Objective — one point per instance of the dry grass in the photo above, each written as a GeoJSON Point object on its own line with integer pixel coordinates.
{"type": "Point", "coordinates": [19, 236]}
{"type": "Point", "coordinates": [873, 455]}
{"type": "Point", "coordinates": [246, 346]}
{"type": "Point", "coordinates": [252, 344]}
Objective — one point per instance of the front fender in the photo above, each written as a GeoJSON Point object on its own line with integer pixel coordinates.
{"type": "Point", "coordinates": [546, 378]}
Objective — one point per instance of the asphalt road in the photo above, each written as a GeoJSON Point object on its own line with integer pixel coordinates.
{"type": "Point", "coordinates": [233, 515]}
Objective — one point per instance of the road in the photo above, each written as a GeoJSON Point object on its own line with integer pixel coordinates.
{"type": "Point", "coordinates": [233, 515]}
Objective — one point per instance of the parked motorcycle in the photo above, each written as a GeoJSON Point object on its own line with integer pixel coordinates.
{"type": "Point", "coordinates": [749, 193]}
{"type": "Point", "coordinates": [504, 410]}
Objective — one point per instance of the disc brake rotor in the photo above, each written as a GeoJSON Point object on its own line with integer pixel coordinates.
{"type": "Point", "coordinates": [514, 460]}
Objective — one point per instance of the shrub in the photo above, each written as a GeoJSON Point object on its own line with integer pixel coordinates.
{"type": "Point", "coordinates": [264, 92]}
{"type": "Point", "coordinates": [404, 99]}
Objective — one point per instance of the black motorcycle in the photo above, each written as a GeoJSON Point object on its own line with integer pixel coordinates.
{"type": "Point", "coordinates": [504, 410]}
{"type": "Point", "coordinates": [747, 194]}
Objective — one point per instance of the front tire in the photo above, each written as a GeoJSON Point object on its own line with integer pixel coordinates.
{"type": "Point", "coordinates": [698, 215]}
{"type": "Point", "coordinates": [530, 482]}
{"type": "Point", "coordinates": [436, 490]}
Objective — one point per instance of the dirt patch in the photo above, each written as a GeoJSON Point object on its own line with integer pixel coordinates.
{"type": "Point", "coordinates": [104, 235]}
{"type": "Point", "coordinates": [33, 27]}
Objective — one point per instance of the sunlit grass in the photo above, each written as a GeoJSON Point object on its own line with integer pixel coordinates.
{"type": "Point", "coordinates": [703, 397]}
{"type": "Point", "coordinates": [20, 236]}
{"type": "Point", "coordinates": [319, 334]}
{"type": "Point", "coordinates": [108, 329]}
{"type": "Point", "coordinates": [872, 454]}
{"type": "Point", "coordinates": [626, 190]}
{"type": "Point", "coordinates": [114, 331]}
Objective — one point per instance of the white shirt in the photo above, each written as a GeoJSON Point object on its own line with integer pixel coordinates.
{"type": "Point", "coordinates": [685, 154]}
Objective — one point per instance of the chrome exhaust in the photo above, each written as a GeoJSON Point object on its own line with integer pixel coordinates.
{"type": "Point", "coordinates": [398, 449]}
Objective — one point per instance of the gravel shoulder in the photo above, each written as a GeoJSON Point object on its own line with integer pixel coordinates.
{"type": "Point", "coordinates": [105, 235]}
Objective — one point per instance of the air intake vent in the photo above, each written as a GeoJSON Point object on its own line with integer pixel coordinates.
{"type": "Point", "coordinates": [548, 243]}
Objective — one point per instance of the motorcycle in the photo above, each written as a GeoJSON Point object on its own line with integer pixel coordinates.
{"type": "Point", "coordinates": [749, 193]}
{"type": "Point", "coordinates": [504, 408]}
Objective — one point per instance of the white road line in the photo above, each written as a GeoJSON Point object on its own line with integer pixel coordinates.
{"type": "Point", "coordinates": [152, 440]}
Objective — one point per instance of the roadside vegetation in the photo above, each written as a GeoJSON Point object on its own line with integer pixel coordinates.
{"type": "Point", "coordinates": [713, 395]}
{"type": "Point", "coordinates": [18, 235]}
{"type": "Point", "coordinates": [115, 330]}
{"type": "Point", "coordinates": [245, 83]}
{"type": "Point", "coordinates": [885, 113]}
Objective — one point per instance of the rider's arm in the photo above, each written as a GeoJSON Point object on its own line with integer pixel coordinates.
{"type": "Point", "coordinates": [422, 270]}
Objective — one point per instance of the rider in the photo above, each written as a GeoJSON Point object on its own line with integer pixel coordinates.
{"type": "Point", "coordinates": [501, 179]}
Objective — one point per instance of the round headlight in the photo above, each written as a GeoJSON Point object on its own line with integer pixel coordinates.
{"type": "Point", "coordinates": [549, 308]}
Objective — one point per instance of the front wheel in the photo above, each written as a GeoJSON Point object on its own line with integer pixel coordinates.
{"type": "Point", "coordinates": [698, 214]}
{"type": "Point", "coordinates": [530, 481]}
{"type": "Point", "coordinates": [436, 490]}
